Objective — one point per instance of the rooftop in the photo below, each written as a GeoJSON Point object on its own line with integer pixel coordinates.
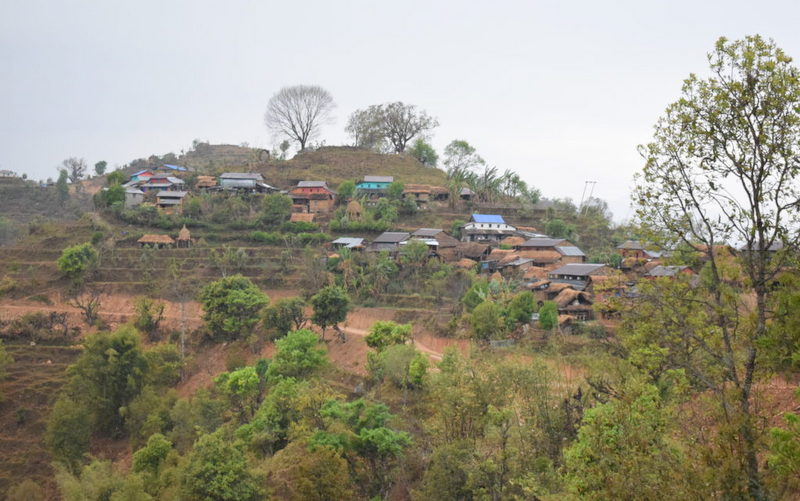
{"type": "Point", "coordinates": [242, 175]}
{"type": "Point", "coordinates": [427, 232]}
{"type": "Point", "coordinates": [571, 251]}
{"type": "Point", "coordinates": [543, 242]}
{"type": "Point", "coordinates": [488, 218]}
{"type": "Point", "coordinates": [666, 271]}
{"type": "Point", "coordinates": [391, 237]}
{"type": "Point", "coordinates": [312, 184]}
{"type": "Point", "coordinates": [378, 179]}
{"type": "Point", "coordinates": [577, 269]}
{"type": "Point", "coordinates": [171, 194]}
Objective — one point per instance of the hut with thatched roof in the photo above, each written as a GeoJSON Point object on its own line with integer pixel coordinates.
{"type": "Point", "coordinates": [184, 239]}
{"type": "Point", "coordinates": [354, 211]}
{"type": "Point", "coordinates": [158, 241]}
{"type": "Point", "coordinates": [575, 303]}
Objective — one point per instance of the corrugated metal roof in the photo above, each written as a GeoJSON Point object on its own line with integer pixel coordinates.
{"type": "Point", "coordinates": [577, 269]}
{"type": "Point", "coordinates": [427, 232]}
{"type": "Point", "coordinates": [488, 218]}
{"type": "Point", "coordinates": [171, 194]}
{"type": "Point", "coordinates": [242, 175]}
{"type": "Point", "coordinates": [378, 179]}
{"type": "Point", "coordinates": [175, 167]}
{"type": "Point", "coordinates": [570, 251]}
{"type": "Point", "coordinates": [630, 245]}
{"type": "Point", "coordinates": [312, 184]}
{"type": "Point", "coordinates": [391, 237]}
{"type": "Point", "coordinates": [543, 242]}
{"type": "Point", "coordinates": [348, 242]}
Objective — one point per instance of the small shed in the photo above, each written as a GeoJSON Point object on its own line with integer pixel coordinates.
{"type": "Point", "coordinates": [184, 238]}
{"type": "Point", "coordinates": [158, 241]}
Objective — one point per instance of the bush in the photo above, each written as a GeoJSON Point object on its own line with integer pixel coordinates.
{"type": "Point", "coordinates": [267, 238]}
{"type": "Point", "coordinates": [232, 306]}
{"type": "Point", "coordinates": [76, 260]}
{"type": "Point", "coordinates": [299, 227]}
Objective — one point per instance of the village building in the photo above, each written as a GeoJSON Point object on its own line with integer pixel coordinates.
{"type": "Point", "coordinates": [184, 239]}
{"type": "Point", "coordinates": [632, 249]}
{"type": "Point", "coordinates": [170, 201]}
{"type": "Point", "coordinates": [577, 304]}
{"type": "Point", "coordinates": [545, 244]}
{"type": "Point", "coordinates": [578, 275]}
{"type": "Point", "coordinates": [443, 240]}
{"type": "Point", "coordinates": [466, 194]}
{"type": "Point", "coordinates": [486, 228]}
{"type": "Point", "coordinates": [570, 254]}
{"type": "Point", "coordinates": [668, 271]}
{"type": "Point", "coordinates": [169, 168]}
{"type": "Point", "coordinates": [473, 250]}
{"type": "Point", "coordinates": [388, 241]}
{"type": "Point", "coordinates": [133, 197]}
{"type": "Point", "coordinates": [141, 176]}
{"type": "Point", "coordinates": [312, 196]}
{"type": "Point", "coordinates": [351, 243]}
{"type": "Point", "coordinates": [245, 182]}
{"type": "Point", "coordinates": [302, 217]}
{"type": "Point", "coordinates": [157, 241]}
{"type": "Point", "coordinates": [162, 182]}
{"type": "Point", "coordinates": [374, 186]}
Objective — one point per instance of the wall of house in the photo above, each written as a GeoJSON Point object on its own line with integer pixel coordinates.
{"type": "Point", "coordinates": [320, 205]}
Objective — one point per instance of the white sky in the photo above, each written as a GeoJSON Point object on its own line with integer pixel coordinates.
{"type": "Point", "coordinates": [561, 92]}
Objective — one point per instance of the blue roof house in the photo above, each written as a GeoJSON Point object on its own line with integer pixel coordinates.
{"type": "Point", "coordinates": [486, 228]}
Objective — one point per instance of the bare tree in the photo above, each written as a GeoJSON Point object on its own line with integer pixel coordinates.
{"type": "Point", "coordinates": [299, 112]}
{"type": "Point", "coordinates": [366, 128]}
{"type": "Point", "coordinates": [75, 167]}
{"type": "Point", "coordinates": [89, 304]}
{"type": "Point", "coordinates": [402, 123]}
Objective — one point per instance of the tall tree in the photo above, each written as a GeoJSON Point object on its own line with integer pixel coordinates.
{"type": "Point", "coordinates": [75, 167]}
{"type": "Point", "coordinates": [403, 122]}
{"type": "Point", "coordinates": [723, 167]}
{"type": "Point", "coordinates": [299, 112]}
{"type": "Point", "coordinates": [100, 167]}
{"type": "Point", "coordinates": [424, 152]}
{"type": "Point", "coordinates": [62, 187]}
{"type": "Point", "coordinates": [330, 305]}
{"type": "Point", "coordinates": [232, 306]}
{"type": "Point", "coordinates": [366, 128]}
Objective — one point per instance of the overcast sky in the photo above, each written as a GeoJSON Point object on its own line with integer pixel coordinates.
{"type": "Point", "coordinates": [561, 92]}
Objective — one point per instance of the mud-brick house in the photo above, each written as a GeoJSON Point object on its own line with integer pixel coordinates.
{"type": "Point", "coordinates": [577, 304]}
{"type": "Point", "coordinates": [633, 249]}
{"type": "Point", "coordinates": [312, 196]}
{"type": "Point", "coordinates": [578, 275]}
{"type": "Point", "coordinates": [374, 186]}
{"type": "Point", "coordinates": [171, 201]}
{"type": "Point", "coordinates": [133, 197]}
{"type": "Point", "coordinates": [570, 254]}
{"type": "Point", "coordinates": [486, 228]}
{"type": "Point", "coordinates": [245, 182]}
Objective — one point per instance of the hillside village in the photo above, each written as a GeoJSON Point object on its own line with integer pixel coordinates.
{"type": "Point", "coordinates": [372, 322]}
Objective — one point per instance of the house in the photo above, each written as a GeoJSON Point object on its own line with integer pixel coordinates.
{"type": "Point", "coordinates": [375, 186]}
{"type": "Point", "coordinates": [570, 254]}
{"type": "Point", "coordinates": [577, 304]}
{"type": "Point", "coordinates": [170, 201]}
{"type": "Point", "coordinates": [512, 242]}
{"type": "Point", "coordinates": [544, 243]}
{"type": "Point", "coordinates": [668, 271]}
{"type": "Point", "coordinates": [632, 248]}
{"type": "Point", "coordinates": [486, 228]}
{"type": "Point", "coordinates": [245, 182]}
{"type": "Point", "coordinates": [348, 243]}
{"type": "Point", "coordinates": [184, 239]}
{"type": "Point", "coordinates": [163, 182]}
{"type": "Point", "coordinates": [388, 241]}
{"type": "Point", "coordinates": [312, 196]}
{"type": "Point", "coordinates": [443, 239]}
{"type": "Point", "coordinates": [420, 193]}
{"type": "Point", "coordinates": [133, 197]}
{"type": "Point", "coordinates": [142, 175]}
{"type": "Point", "coordinates": [473, 250]}
{"type": "Point", "coordinates": [578, 275]}
{"type": "Point", "coordinates": [157, 241]}
{"type": "Point", "coordinates": [466, 194]}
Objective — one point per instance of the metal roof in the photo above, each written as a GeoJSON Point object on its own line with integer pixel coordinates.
{"type": "Point", "coordinates": [666, 271]}
{"type": "Point", "coordinates": [175, 167]}
{"type": "Point", "coordinates": [570, 251]}
{"type": "Point", "coordinates": [488, 218]}
{"type": "Point", "coordinates": [312, 184]}
{"type": "Point", "coordinates": [171, 194]}
{"type": "Point", "coordinates": [241, 175]}
{"type": "Point", "coordinates": [427, 232]}
{"type": "Point", "coordinates": [543, 242]}
{"type": "Point", "coordinates": [577, 269]}
{"type": "Point", "coordinates": [631, 245]}
{"type": "Point", "coordinates": [378, 179]}
{"type": "Point", "coordinates": [140, 172]}
{"type": "Point", "coordinates": [391, 237]}
{"type": "Point", "coordinates": [349, 242]}
{"type": "Point", "coordinates": [134, 191]}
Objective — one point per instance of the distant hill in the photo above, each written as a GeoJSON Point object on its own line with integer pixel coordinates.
{"type": "Point", "coordinates": [333, 164]}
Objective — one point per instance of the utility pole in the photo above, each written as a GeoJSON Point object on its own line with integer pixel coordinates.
{"type": "Point", "coordinates": [591, 191]}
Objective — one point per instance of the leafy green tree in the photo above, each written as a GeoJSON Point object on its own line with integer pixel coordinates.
{"type": "Point", "coordinates": [232, 306]}
{"type": "Point", "coordinates": [27, 490]}
{"type": "Point", "coordinates": [285, 315]}
{"type": "Point", "coordinates": [557, 228]}
{"type": "Point", "coordinates": [401, 364]}
{"type": "Point", "coordinates": [149, 458]}
{"type": "Point", "coordinates": [395, 190]}
{"type": "Point", "coordinates": [300, 473]}
{"type": "Point", "coordinates": [100, 167]}
{"type": "Point", "coordinates": [548, 316]}
{"type": "Point", "coordinates": [486, 321]}
{"type": "Point", "coordinates": [414, 253]}
{"type": "Point", "coordinates": [217, 470]}
{"type": "Point", "coordinates": [521, 307]}
{"type": "Point", "coordinates": [345, 191]}
{"type": "Point", "coordinates": [386, 210]}
{"type": "Point", "coordinates": [781, 345]}
{"type": "Point", "coordinates": [424, 153]}
{"type": "Point", "coordinates": [109, 374]}
{"type": "Point", "coordinates": [149, 315]}
{"type": "Point", "coordinates": [722, 167]}
{"type": "Point", "coordinates": [623, 451]}
{"type": "Point", "coordinates": [148, 413]}
{"type": "Point", "coordinates": [76, 260]}
{"type": "Point", "coordinates": [277, 210]}
{"type": "Point", "coordinates": [784, 451]}
{"type": "Point", "coordinates": [331, 305]}
{"type": "Point", "coordinates": [69, 429]}
{"type": "Point", "coordinates": [115, 177]}
{"type": "Point", "coordinates": [62, 187]}
{"type": "Point", "coordinates": [385, 333]}
{"type": "Point", "coordinates": [242, 387]}
{"type": "Point", "coordinates": [447, 476]}
{"type": "Point", "coordinates": [297, 355]}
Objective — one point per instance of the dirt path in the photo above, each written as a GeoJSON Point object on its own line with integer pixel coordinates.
{"type": "Point", "coordinates": [421, 347]}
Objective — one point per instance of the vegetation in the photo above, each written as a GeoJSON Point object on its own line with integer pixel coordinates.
{"type": "Point", "coordinates": [232, 306]}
